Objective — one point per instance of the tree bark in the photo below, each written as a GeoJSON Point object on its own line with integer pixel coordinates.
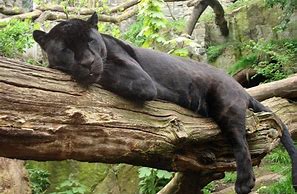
{"type": "Point", "coordinates": [46, 116]}
{"type": "Point", "coordinates": [287, 111]}
{"type": "Point", "coordinates": [50, 15]}
{"type": "Point", "coordinates": [32, 15]}
{"type": "Point", "coordinates": [286, 88]}
{"type": "Point", "coordinates": [196, 13]}
{"type": "Point", "coordinates": [188, 182]}
{"type": "Point", "coordinates": [199, 8]}
{"type": "Point", "coordinates": [10, 10]}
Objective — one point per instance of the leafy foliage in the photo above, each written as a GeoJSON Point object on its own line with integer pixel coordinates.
{"type": "Point", "coordinates": [110, 29]}
{"type": "Point", "coordinates": [213, 52]}
{"type": "Point", "coordinates": [39, 181]}
{"type": "Point", "coordinates": [274, 60]}
{"type": "Point", "coordinates": [133, 32]}
{"type": "Point", "coordinates": [153, 22]}
{"type": "Point", "coordinates": [152, 180]}
{"type": "Point", "coordinates": [209, 188]}
{"type": "Point", "coordinates": [153, 30]}
{"type": "Point", "coordinates": [71, 186]}
{"type": "Point", "coordinates": [284, 185]}
{"type": "Point", "coordinates": [15, 37]}
{"type": "Point", "coordinates": [230, 177]}
{"type": "Point", "coordinates": [279, 162]}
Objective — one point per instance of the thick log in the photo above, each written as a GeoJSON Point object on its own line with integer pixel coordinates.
{"type": "Point", "coordinates": [44, 115]}
{"type": "Point", "coordinates": [87, 11]}
{"type": "Point", "coordinates": [286, 88]}
{"type": "Point", "coordinates": [287, 111]}
{"type": "Point", "coordinates": [30, 15]}
{"type": "Point", "coordinates": [54, 15]}
{"type": "Point", "coordinates": [10, 10]}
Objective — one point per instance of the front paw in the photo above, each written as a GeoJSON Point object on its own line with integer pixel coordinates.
{"type": "Point", "coordinates": [245, 183]}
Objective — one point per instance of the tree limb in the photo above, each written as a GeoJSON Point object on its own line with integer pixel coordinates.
{"type": "Point", "coordinates": [199, 8]}
{"type": "Point", "coordinates": [10, 10]}
{"type": "Point", "coordinates": [50, 15]}
{"type": "Point", "coordinates": [188, 182]}
{"type": "Point", "coordinates": [88, 11]}
{"type": "Point", "coordinates": [32, 15]}
{"type": "Point", "coordinates": [286, 88]}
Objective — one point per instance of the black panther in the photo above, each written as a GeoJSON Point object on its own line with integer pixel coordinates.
{"type": "Point", "coordinates": [77, 48]}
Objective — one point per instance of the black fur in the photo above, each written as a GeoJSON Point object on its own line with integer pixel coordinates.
{"type": "Point", "coordinates": [76, 47]}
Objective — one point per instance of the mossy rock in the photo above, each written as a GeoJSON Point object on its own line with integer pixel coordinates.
{"type": "Point", "coordinates": [98, 178]}
{"type": "Point", "coordinates": [121, 179]}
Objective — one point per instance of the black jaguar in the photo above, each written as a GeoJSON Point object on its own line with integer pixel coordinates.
{"type": "Point", "coordinates": [77, 48]}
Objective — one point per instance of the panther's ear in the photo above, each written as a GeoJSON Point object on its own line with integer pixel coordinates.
{"type": "Point", "coordinates": [39, 37]}
{"type": "Point", "coordinates": [93, 20]}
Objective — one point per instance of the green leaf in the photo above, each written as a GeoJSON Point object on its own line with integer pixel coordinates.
{"type": "Point", "coordinates": [144, 172]}
{"type": "Point", "coordinates": [164, 174]}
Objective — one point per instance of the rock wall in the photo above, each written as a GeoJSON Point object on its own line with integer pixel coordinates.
{"type": "Point", "coordinates": [253, 21]}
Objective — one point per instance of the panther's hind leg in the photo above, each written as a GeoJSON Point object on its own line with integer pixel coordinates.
{"type": "Point", "coordinates": [232, 124]}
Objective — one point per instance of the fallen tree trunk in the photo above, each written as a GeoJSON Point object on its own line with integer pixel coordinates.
{"type": "Point", "coordinates": [286, 88]}
{"type": "Point", "coordinates": [44, 115]}
{"type": "Point", "coordinates": [10, 10]}
{"type": "Point", "coordinates": [30, 15]}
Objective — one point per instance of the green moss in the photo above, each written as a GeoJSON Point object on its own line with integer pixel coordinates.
{"type": "Point", "coordinates": [88, 174]}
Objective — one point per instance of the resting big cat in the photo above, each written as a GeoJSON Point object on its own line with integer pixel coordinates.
{"type": "Point", "coordinates": [77, 48]}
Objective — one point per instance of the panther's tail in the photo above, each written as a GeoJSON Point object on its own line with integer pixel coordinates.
{"type": "Point", "coordinates": [286, 139]}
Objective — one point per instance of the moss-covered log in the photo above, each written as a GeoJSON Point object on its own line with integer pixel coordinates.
{"type": "Point", "coordinates": [44, 115]}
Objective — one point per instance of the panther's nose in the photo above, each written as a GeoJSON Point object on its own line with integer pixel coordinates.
{"type": "Point", "coordinates": [87, 61]}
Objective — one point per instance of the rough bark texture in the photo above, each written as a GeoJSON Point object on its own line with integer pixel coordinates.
{"type": "Point", "coordinates": [46, 116]}
{"type": "Point", "coordinates": [287, 111]}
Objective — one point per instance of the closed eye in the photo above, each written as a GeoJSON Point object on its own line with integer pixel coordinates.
{"type": "Point", "coordinates": [92, 41]}
{"type": "Point", "coordinates": [66, 50]}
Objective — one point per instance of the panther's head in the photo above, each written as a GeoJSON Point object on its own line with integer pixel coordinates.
{"type": "Point", "coordinates": [75, 47]}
